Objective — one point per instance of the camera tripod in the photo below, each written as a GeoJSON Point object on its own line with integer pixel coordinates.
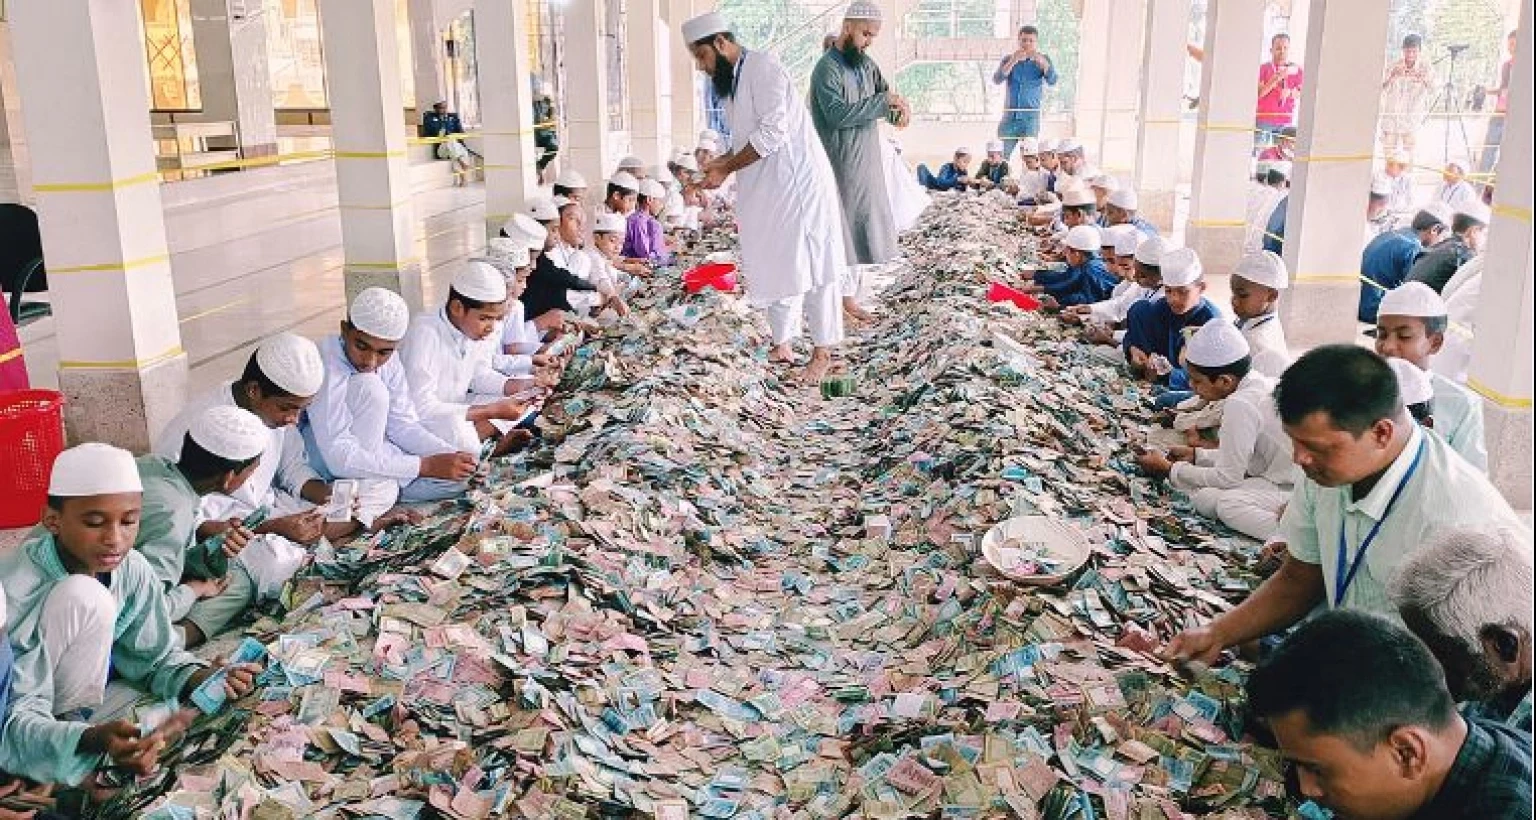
{"type": "Point", "coordinates": [1449, 104]}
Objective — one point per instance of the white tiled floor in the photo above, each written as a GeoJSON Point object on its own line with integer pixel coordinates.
{"type": "Point", "coordinates": [282, 271]}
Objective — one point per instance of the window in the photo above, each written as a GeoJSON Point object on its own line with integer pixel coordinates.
{"type": "Point", "coordinates": [295, 54]}
{"type": "Point", "coordinates": [171, 56]}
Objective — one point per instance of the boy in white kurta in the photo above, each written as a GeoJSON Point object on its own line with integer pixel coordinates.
{"type": "Point", "coordinates": [786, 203]}
{"type": "Point", "coordinates": [1256, 285]}
{"type": "Point", "coordinates": [1245, 481]}
{"type": "Point", "coordinates": [448, 360]}
{"type": "Point", "coordinates": [1411, 324]}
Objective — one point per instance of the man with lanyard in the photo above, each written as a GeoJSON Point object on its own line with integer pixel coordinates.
{"type": "Point", "coordinates": [1377, 488]}
{"type": "Point", "coordinates": [786, 200]}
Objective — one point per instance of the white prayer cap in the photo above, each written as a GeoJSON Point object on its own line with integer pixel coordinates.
{"type": "Point", "coordinates": [1047, 146]}
{"type": "Point", "coordinates": [1104, 181]}
{"type": "Point", "coordinates": [1217, 343]}
{"type": "Point", "coordinates": [230, 432]}
{"type": "Point", "coordinates": [1181, 268]}
{"type": "Point", "coordinates": [1380, 185]}
{"type": "Point", "coordinates": [543, 209]}
{"type": "Point", "coordinates": [1077, 195]}
{"type": "Point", "coordinates": [631, 163]}
{"type": "Point", "coordinates": [508, 251]}
{"type": "Point", "coordinates": [1151, 250]}
{"type": "Point", "coordinates": [688, 163]}
{"type": "Point", "coordinates": [609, 223]}
{"type": "Point", "coordinates": [994, 147]}
{"type": "Point", "coordinates": [1084, 238]}
{"type": "Point", "coordinates": [625, 180]}
{"type": "Point", "coordinates": [1413, 384]}
{"type": "Point", "coordinates": [964, 150]}
{"type": "Point", "coordinates": [94, 468]}
{"type": "Point", "coordinates": [380, 312]}
{"type": "Point", "coordinates": [651, 189]}
{"type": "Point", "coordinates": [1029, 147]}
{"type": "Point", "coordinates": [561, 201]}
{"type": "Point", "coordinates": [1125, 238]}
{"type": "Point", "coordinates": [291, 362]}
{"type": "Point", "coordinates": [1264, 268]}
{"type": "Point", "coordinates": [569, 178]}
{"type": "Point", "coordinates": [1412, 299]}
{"type": "Point", "coordinates": [1281, 167]}
{"type": "Point", "coordinates": [863, 10]}
{"type": "Point", "coordinates": [1440, 211]}
{"type": "Point", "coordinates": [1477, 211]}
{"type": "Point", "coordinates": [527, 231]}
{"type": "Point", "coordinates": [481, 282]}
{"type": "Point", "coordinates": [710, 145]}
{"type": "Point", "coordinates": [709, 134]}
{"type": "Point", "coordinates": [704, 26]}
{"type": "Point", "coordinates": [1069, 145]}
{"type": "Point", "coordinates": [1124, 198]}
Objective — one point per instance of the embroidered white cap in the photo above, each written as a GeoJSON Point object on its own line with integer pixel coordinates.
{"type": "Point", "coordinates": [543, 209]}
{"type": "Point", "coordinates": [1029, 147]}
{"type": "Point", "coordinates": [1124, 198]}
{"type": "Point", "coordinates": [688, 163]}
{"type": "Point", "coordinates": [1077, 196]}
{"type": "Point", "coordinates": [1181, 268]}
{"type": "Point", "coordinates": [863, 10]}
{"type": "Point", "coordinates": [704, 26]}
{"type": "Point", "coordinates": [625, 180]}
{"type": "Point", "coordinates": [1412, 299]}
{"type": "Point", "coordinates": [1217, 343]}
{"type": "Point", "coordinates": [569, 178]}
{"type": "Point", "coordinates": [380, 312]}
{"type": "Point", "coordinates": [94, 468]}
{"type": "Point", "coordinates": [1477, 211]}
{"type": "Point", "coordinates": [1124, 237]}
{"type": "Point", "coordinates": [508, 252]}
{"type": "Point", "coordinates": [1084, 238]}
{"type": "Point", "coordinates": [481, 282]}
{"type": "Point", "coordinates": [1104, 181]}
{"type": "Point", "coordinates": [994, 147]}
{"type": "Point", "coordinates": [291, 362]}
{"type": "Point", "coordinates": [526, 230]}
{"type": "Point", "coordinates": [609, 223]}
{"type": "Point", "coordinates": [1264, 268]}
{"type": "Point", "coordinates": [1069, 145]}
{"type": "Point", "coordinates": [230, 432]}
{"type": "Point", "coordinates": [1413, 384]}
{"type": "Point", "coordinates": [1151, 251]}
{"type": "Point", "coordinates": [651, 189]}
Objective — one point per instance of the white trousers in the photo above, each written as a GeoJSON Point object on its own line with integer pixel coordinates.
{"type": "Point", "coordinates": [1252, 507]}
{"type": "Point", "coordinates": [822, 309]}
{"type": "Point", "coordinates": [852, 283]}
{"type": "Point", "coordinates": [76, 630]}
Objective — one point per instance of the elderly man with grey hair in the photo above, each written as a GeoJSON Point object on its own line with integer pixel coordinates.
{"type": "Point", "coordinates": [1467, 594]}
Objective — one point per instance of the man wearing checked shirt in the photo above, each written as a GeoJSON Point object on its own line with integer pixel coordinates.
{"type": "Point", "coordinates": [1377, 488]}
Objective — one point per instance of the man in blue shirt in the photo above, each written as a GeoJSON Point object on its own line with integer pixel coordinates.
{"type": "Point", "coordinates": [1026, 71]}
{"type": "Point", "coordinates": [1154, 328]}
{"type": "Point", "coordinates": [1274, 231]}
{"type": "Point", "coordinates": [1387, 259]}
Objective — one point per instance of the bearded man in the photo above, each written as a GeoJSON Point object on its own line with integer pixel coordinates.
{"type": "Point", "coordinates": [849, 98]}
{"type": "Point", "coordinates": [788, 213]}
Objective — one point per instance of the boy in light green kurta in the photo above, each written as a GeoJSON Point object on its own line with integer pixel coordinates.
{"type": "Point", "coordinates": [220, 451]}
{"type": "Point", "coordinates": [81, 599]}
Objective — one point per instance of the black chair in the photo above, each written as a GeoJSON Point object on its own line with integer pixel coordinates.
{"type": "Point", "coordinates": [21, 262]}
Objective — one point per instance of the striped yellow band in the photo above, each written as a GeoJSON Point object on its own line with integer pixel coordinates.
{"type": "Point", "coordinates": [1217, 223]}
{"type": "Point", "coordinates": [385, 265]}
{"type": "Point", "coordinates": [1512, 402]}
{"type": "Point", "coordinates": [1513, 212]}
{"type": "Point", "coordinates": [109, 185]}
{"type": "Point", "coordinates": [367, 154]}
{"type": "Point", "coordinates": [1174, 121]}
{"type": "Point", "coordinates": [126, 265]}
{"type": "Point", "coordinates": [123, 364]}
{"type": "Point", "coordinates": [10, 354]}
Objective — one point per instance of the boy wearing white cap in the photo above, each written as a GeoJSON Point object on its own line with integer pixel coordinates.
{"type": "Point", "coordinates": [1136, 263]}
{"type": "Point", "coordinates": [644, 238]}
{"type": "Point", "coordinates": [1155, 328]}
{"type": "Point", "coordinates": [632, 165]}
{"type": "Point", "coordinates": [993, 168]}
{"type": "Point", "coordinates": [1417, 391]}
{"type": "Point", "coordinates": [1120, 209]}
{"type": "Point", "coordinates": [1468, 227]}
{"type": "Point", "coordinates": [609, 266]}
{"type": "Point", "coordinates": [623, 190]}
{"type": "Point", "coordinates": [448, 356]}
{"type": "Point", "coordinates": [520, 338]}
{"type": "Point", "coordinates": [1245, 482]}
{"type": "Point", "coordinates": [79, 600]}
{"type": "Point", "coordinates": [279, 382]}
{"type": "Point", "coordinates": [1085, 280]}
{"type": "Point", "coordinates": [218, 454]}
{"type": "Point", "coordinates": [364, 423]}
{"type": "Point", "coordinates": [1034, 179]}
{"type": "Point", "coordinates": [954, 175]}
{"type": "Point", "coordinates": [1411, 325]}
{"type": "Point", "coordinates": [568, 252]}
{"type": "Point", "coordinates": [571, 185]}
{"type": "Point", "coordinates": [1256, 284]}
{"type": "Point", "coordinates": [546, 300]}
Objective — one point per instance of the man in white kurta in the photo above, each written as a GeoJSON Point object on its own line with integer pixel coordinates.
{"type": "Point", "coordinates": [786, 203]}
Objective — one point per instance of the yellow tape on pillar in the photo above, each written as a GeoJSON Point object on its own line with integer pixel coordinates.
{"type": "Point", "coordinates": [1513, 212]}
{"type": "Point", "coordinates": [1217, 223]}
{"type": "Point", "coordinates": [1502, 400]}
{"type": "Point", "coordinates": [126, 265]}
{"type": "Point", "coordinates": [122, 364]}
{"type": "Point", "coordinates": [109, 185]}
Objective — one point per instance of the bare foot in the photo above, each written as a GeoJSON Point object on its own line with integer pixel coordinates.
{"type": "Point", "coordinates": [855, 313]}
{"type": "Point", "coordinates": [816, 369]}
{"type": "Point", "coordinates": [782, 354]}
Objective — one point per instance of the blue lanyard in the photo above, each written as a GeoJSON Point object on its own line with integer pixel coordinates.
{"type": "Point", "coordinates": [1341, 580]}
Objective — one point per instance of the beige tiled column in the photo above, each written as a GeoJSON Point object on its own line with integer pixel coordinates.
{"type": "Point", "coordinates": [649, 50]}
{"type": "Point", "coordinates": [506, 108]}
{"type": "Point", "coordinates": [368, 133]}
{"type": "Point", "coordinates": [1229, 92]}
{"type": "Point", "coordinates": [586, 73]}
{"type": "Point", "coordinates": [1162, 104]}
{"type": "Point", "coordinates": [80, 72]}
{"type": "Point", "coordinates": [687, 116]}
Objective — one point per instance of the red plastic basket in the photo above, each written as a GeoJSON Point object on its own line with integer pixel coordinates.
{"type": "Point", "coordinates": [999, 292]}
{"type": "Point", "coordinates": [31, 437]}
{"type": "Point", "coordinates": [720, 276]}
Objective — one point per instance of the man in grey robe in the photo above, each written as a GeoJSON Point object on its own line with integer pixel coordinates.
{"type": "Point", "coordinates": [849, 98]}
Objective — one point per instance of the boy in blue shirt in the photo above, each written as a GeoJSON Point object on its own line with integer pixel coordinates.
{"type": "Point", "coordinates": [1155, 329]}
{"type": "Point", "coordinates": [1085, 281]}
{"type": "Point", "coordinates": [952, 176]}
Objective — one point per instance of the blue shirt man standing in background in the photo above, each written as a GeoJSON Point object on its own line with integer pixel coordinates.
{"type": "Point", "coordinates": [1026, 71]}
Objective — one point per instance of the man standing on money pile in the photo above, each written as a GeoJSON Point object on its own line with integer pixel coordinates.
{"type": "Point", "coordinates": [791, 251]}
{"type": "Point", "coordinates": [849, 98]}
